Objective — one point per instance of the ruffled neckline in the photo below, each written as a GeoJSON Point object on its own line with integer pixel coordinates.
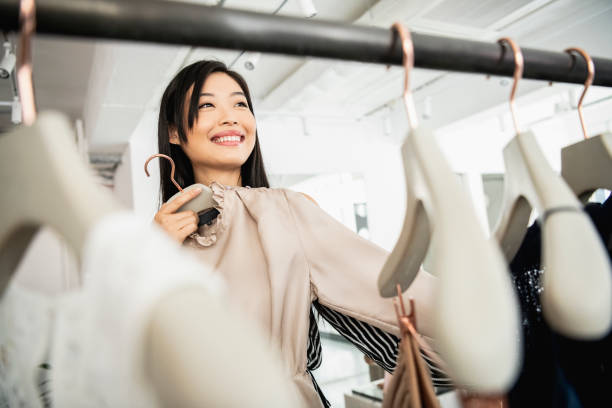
{"type": "Point", "coordinates": [207, 234]}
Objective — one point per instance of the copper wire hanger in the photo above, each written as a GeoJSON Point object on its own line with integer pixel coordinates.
{"type": "Point", "coordinates": [406, 322]}
{"type": "Point", "coordinates": [408, 325]}
{"type": "Point", "coordinates": [171, 171]}
{"type": "Point", "coordinates": [518, 73]}
{"type": "Point", "coordinates": [587, 83]}
{"type": "Point", "coordinates": [408, 63]}
{"type": "Point", "coordinates": [27, 17]}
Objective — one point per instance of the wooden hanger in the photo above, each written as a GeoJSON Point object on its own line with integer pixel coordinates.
{"type": "Point", "coordinates": [587, 165]}
{"type": "Point", "coordinates": [476, 325]}
{"type": "Point", "coordinates": [202, 204]}
{"type": "Point", "coordinates": [577, 289]}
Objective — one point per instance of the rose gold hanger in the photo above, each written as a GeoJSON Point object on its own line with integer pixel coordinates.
{"type": "Point", "coordinates": [587, 83]}
{"type": "Point", "coordinates": [171, 171]}
{"type": "Point", "coordinates": [408, 324]}
{"type": "Point", "coordinates": [27, 17]}
{"type": "Point", "coordinates": [408, 62]}
{"type": "Point", "coordinates": [518, 73]}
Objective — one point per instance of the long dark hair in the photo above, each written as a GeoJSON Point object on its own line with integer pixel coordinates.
{"type": "Point", "coordinates": [171, 116]}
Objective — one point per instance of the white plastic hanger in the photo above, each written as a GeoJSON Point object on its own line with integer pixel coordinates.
{"type": "Point", "coordinates": [516, 210]}
{"type": "Point", "coordinates": [200, 204]}
{"type": "Point", "coordinates": [44, 182]}
{"type": "Point", "coordinates": [577, 295]}
{"type": "Point", "coordinates": [475, 311]}
{"type": "Point", "coordinates": [43, 179]}
{"type": "Point", "coordinates": [587, 165]}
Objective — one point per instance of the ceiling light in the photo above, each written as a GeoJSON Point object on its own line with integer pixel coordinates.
{"type": "Point", "coordinates": [387, 125]}
{"type": "Point", "coordinates": [427, 108]}
{"type": "Point", "coordinates": [16, 111]}
{"type": "Point", "coordinates": [8, 61]}
{"type": "Point", "coordinates": [251, 59]}
{"type": "Point", "coordinates": [308, 8]}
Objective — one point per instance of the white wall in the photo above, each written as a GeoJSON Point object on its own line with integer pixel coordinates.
{"type": "Point", "coordinates": [48, 265]}
{"type": "Point", "coordinates": [143, 143]}
{"type": "Point", "coordinates": [476, 143]}
{"type": "Point", "coordinates": [122, 186]}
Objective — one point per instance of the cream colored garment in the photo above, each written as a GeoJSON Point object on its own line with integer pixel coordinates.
{"type": "Point", "coordinates": [278, 251]}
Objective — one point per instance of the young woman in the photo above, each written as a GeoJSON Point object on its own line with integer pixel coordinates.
{"type": "Point", "coordinates": [279, 253]}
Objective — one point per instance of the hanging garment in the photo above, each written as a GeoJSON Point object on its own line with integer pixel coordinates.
{"type": "Point", "coordinates": [97, 357]}
{"type": "Point", "coordinates": [84, 348]}
{"type": "Point", "coordinates": [558, 371]}
{"type": "Point", "coordinates": [411, 385]}
{"type": "Point", "coordinates": [279, 254]}
{"type": "Point", "coordinates": [26, 319]}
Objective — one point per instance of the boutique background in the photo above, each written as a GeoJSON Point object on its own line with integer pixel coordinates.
{"type": "Point", "coordinates": [327, 128]}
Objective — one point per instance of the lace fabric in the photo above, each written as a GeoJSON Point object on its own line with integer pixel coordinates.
{"type": "Point", "coordinates": [207, 234]}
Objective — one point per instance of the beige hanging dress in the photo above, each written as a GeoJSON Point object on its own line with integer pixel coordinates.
{"type": "Point", "coordinates": [277, 252]}
{"type": "Point", "coordinates": [411, 385]}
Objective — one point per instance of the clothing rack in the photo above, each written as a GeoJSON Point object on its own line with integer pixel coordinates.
{"type": "Point", "coordinates": [209, 26]}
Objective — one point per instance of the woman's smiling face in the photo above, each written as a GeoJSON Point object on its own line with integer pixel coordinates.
{"type": "Point", "coordinates": [223, 134]}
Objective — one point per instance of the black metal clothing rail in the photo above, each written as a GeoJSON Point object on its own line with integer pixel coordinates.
{"type": "Point", "coordinates": [191, 24]}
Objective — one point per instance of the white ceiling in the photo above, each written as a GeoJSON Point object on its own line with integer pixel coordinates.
{"type": "Point", "coordinates": [111, 84]}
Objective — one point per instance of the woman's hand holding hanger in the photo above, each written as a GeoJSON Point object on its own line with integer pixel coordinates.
{"type": "Point", "coordinates": [178, 224]}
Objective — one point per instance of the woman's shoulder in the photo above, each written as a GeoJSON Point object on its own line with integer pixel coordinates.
{"type": "Point", "coordinates": [310, 198]}
{"type": "Point", "coordinates": [280, 190]}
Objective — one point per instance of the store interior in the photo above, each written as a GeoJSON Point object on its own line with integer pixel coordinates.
{"type": "Point", "coordinates": [329, 128]}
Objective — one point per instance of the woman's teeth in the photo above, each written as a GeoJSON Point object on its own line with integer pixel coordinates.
{"type": "Point", "coordinates": [226, 139]}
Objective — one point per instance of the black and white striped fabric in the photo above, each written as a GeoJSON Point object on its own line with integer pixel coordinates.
{"type": "Point", "coordinates": [380, 346]}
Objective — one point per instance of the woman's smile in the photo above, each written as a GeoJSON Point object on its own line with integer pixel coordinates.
{"type": "Point", "coordinates": [228, 138]}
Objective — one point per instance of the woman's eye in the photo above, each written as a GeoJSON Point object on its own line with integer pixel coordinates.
{"type": "Point", "coordinates": [242, 104]}
{"type": "Point", "coordinates": [205, 105]}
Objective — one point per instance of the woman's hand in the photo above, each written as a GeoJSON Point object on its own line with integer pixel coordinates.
{"type": "Point", "coordinates": [178, 225]}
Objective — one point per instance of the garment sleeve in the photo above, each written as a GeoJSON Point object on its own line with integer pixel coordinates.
{"type": "Point", "coordinates": [344, 269]}
{"type": "Point", "coordinates": [380, 346]}
{"type": "Point", "coordinates": [343, 266]}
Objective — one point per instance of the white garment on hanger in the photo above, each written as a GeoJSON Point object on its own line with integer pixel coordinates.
{"type": "Point", "coordinates": [25, 327]}
{"type": "Point", "coordinates": [95, 335]}
{"type": "Point", "coordinates": [98, 353]}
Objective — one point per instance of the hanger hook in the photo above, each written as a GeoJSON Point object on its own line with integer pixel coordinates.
{"type": "Point", "coordinates": [408, 62]}
{"type": "Point", "coordinates": [518, 74]}
{"type": "Point", "coordinates": [587, 83]}
{"type": "Point", "coordinates": [27, 18]}
{"type": "Point", "coordinates": [171, 171]}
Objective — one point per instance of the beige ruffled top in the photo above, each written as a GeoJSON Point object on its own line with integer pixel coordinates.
{"type": "Point", "coordinates": [278, 251]}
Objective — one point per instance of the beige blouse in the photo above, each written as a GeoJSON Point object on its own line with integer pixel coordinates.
{"type": "Point", "coordinates": [278, 251]}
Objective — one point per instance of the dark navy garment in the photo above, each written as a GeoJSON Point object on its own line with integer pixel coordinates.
{"type": "Point", "coordinates": [557, 371]}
